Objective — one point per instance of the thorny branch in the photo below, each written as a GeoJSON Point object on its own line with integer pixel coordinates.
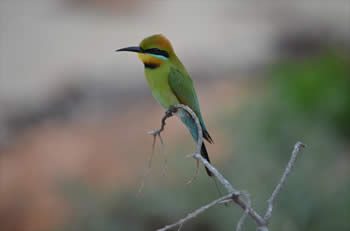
{"type": "Point", "coordinates": [233, 194]}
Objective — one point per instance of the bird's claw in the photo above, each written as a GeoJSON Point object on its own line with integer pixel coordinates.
{"type": "Point", "coordinates": [171, 110]}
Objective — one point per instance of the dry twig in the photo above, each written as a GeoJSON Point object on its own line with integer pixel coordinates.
{"type": "Point", "coordinates": [195, 213]}
{"type": "Point", "coordinates": [233, 194]}
{"type": "Point", "coordinates": [279, 186]}
{"type": "Point", "coordinates": [157, 132]}
{"type": "Point", "coordinates": [148, 170]}
{"type": "Point", "coordinates": [246, 211]}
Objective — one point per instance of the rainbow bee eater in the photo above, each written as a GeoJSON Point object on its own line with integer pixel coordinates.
{"type": "Point", "coordinates": [170, 82]}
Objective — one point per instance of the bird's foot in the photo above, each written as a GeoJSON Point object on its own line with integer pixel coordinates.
{"type": "Point", "coordinates": [171, 110]}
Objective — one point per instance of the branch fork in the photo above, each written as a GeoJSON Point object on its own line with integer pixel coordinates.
{"type": "Point", "coordinates": [233, 194]}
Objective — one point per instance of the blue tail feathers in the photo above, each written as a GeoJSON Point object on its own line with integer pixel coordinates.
{"type": "Point", "coordinates": [192, 127]}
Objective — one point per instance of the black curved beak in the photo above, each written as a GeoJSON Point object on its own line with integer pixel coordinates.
{"type": "Point", "coordinates": [132, 49]}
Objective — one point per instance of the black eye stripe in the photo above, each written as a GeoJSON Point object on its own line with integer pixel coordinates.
{"type": "Point", "coordinates": [157, 51]}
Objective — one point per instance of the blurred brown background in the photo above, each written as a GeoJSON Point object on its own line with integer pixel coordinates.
{"type": "Point", "coordinates": [74, 115]}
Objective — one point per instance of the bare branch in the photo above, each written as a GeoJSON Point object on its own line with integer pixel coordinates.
{"type": "Point", "coordinates": [195, 173]}
{"type": "Point", "coordinates": [151, 156]}
{"type": "Point", "coordinates": [157, 132]}
{"type": "Point", "coordinates": [252, 213]}
{"type": "Point", "coordinates": [168, 113]}
{"type": "Point", "coordinates": [165, 163]}
{"type": "Point", "coordinates": [148, 170]}
{"type": "Point", "coordinates": [215, 172]}
{"type": "Point", "coordinates": [258, 219]}
{"type": "Point", "coordinates": [195, 213]}
{"type": "Point", "coordinates": [233, 194]}
{"type": "Point", "coordinates": [278, 188]}
{"type": "Point", "coordinates": [262, 228]}
{"type": "Point", "coordinates": [246, 211]}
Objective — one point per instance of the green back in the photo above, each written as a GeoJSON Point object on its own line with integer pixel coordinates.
{"type": "Point", "coordinates": [182, 86]}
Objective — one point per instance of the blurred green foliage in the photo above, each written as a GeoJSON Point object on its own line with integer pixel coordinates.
{"type": "Point", "coordinates": [305, 100]}
{"type": "Point", "coordinates": [318, 87]}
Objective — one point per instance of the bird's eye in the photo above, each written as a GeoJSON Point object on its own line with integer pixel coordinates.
{"type": "Point", "coordinates": [156, 51]}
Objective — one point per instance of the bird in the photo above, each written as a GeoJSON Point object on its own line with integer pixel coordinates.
{"type": "Point", "coordinates": [170, 83]}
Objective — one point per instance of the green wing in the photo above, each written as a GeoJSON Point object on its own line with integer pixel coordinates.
{"type": "Point", "coordinates": [182, 86]}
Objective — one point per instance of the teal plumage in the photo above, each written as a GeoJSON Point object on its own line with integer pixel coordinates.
{"type": "Point", "coordinates": [182, 86]}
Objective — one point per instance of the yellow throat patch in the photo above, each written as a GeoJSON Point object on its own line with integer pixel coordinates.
{"type": "Point", "coordinates": [148, 59]}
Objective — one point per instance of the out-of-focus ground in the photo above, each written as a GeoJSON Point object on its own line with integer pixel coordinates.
{"type": "Point", "coordinates": [74, 115]}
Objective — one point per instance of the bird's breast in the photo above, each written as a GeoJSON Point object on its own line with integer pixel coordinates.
{"type": "Point", "coordinates": [158, 81]}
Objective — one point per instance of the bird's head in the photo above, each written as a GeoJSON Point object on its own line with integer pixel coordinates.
{"type": "Point", "coordinates": [153, 51]}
